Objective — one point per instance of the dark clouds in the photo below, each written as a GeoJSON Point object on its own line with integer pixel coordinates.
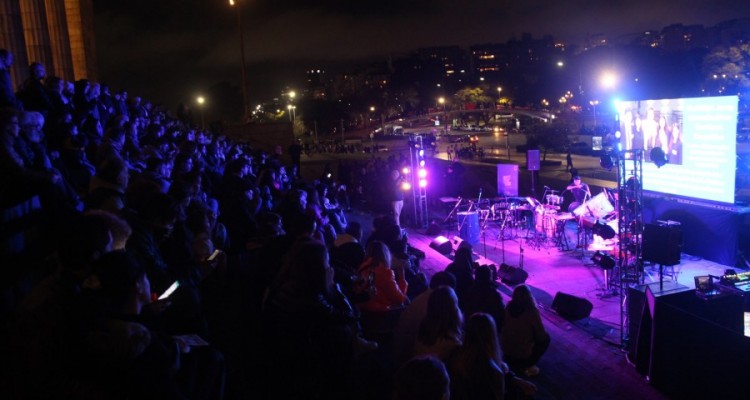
{"type": "Point", "coordinates": [188, 44]}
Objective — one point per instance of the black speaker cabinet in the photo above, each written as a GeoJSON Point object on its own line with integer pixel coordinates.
{"type": "Point", "coordinates": [662, 244]}
{"type": "Point", "coordinates": [511, 276]}
{"type": "Point", "coordinates": [532, 160]}
{"type": "Point", "coordinates": [571, 307]}
{"type": "Point", "coordinates": [442, 244]}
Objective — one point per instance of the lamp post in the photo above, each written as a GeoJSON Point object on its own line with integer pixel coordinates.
{"type": "Point", "coordinates": [245, 101]}
{"type": "Point", "coordinates": [441, 101]}
{"type": "Point", "coordinates": [201, 101]}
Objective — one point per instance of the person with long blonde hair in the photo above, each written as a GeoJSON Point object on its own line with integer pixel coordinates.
{"type": "Point", "coordinates": [524, 338]}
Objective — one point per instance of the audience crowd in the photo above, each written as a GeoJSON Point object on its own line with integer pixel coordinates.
{"type": "Point", "coordinates": [158, 260]}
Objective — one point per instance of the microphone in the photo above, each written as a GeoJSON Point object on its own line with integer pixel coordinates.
{"type": "Point", "coordinates": [547, 187]}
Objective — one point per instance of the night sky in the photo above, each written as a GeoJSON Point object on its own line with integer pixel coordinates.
{"type": "Point", "coordinates": [171, 50]}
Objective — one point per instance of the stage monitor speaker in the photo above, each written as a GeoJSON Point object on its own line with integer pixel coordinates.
{"type": "Point", "coordinates": [571, 307]}
{"type": "Point", "coordinates": [442, 244]}
{"type": "Point", "coordinates": [532, 160]}
{"type": "Point", "coordinates": [511, 276]}
{"type": "Point", "coordinates": [662, 244]}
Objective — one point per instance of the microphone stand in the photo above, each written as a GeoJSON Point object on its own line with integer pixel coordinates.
{"type": "Point", "coordinates": [461, 224]}
{"type": "Point", "coordinates": [458, 203]}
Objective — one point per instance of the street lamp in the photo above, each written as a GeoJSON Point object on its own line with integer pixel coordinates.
{"type": "Point", "coordinates": [201, 101]}
{"type": "Point", "coordinates": [245, 101]}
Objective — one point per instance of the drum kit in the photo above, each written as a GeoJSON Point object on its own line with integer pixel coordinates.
{"type": "Point", "coordinates": [541, 224]}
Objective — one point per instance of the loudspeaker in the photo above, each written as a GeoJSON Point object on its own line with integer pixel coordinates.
{"type": "Point", "coordinates": [532, 160]}
{"type": "Point", "coordinates": [511, 275]}
{"type": "Point", "coordinates": [662, 244]}
{"type": "Point", "coordinates": [442, 244]}
{"type": "Point", "coordinates": [571, 307]}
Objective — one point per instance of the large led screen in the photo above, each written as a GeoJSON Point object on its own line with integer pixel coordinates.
{"type": "Point", "coordinates": [698, 137]}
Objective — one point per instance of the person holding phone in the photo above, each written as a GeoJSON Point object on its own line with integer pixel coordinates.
{"type": "Point", "coordinates": [130, 355]}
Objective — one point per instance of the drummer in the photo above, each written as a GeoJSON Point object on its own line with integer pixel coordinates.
{"type": "Point", "coordinates": [581, 192]}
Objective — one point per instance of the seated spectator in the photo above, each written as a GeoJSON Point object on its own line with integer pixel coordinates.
{"type": "Point", "coordinates": [477, 369]}
{"type": "Point", "coordinates": [22, 178]}
{"type": "Point", "coordinates": [331, 209]}
{"type": "Point", "coordinates": [107, 188]}
{"type": "Point", "coordinates": [441, 330]}
{"type": "Point", "coordinates": [315, 210]}
{"type": "Point", "coordinates": [73, 162]}
{"type": "Point", "coordinates": [48, 333]}
{"type": "Point", "coordinates": [158, 171]}
{"type": "Point", "coordinates": [395, 238]}
{"type": "Point", "coordinates": [389, 283]}
{"type": "Point", "coordinates": [308, 331]}
{"type": "Point", "coordinates": [462, 268]}
{"type": "Point", "coordinates": [347, 249]}
{"type": "Point", "coordinates": [483, 296]}
{"type": "Point", "coordinates": [524, 338]}
{"type": "Point", "coordinates": [132, 357]}
{"type": "Point", "coordinates": [422, 378]}
{"type": "Point", "coordinates": [405, 334]}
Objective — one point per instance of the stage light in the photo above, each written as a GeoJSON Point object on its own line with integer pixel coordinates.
{"type": "Point", "coordinates": [405, 186]}
{"type": "Point", "coordinates": [421, 152]}
{"type": "Point", "coordinates": [421, 163]}
{"type": "Point", "coordinates": [658, 156]}
{"type": "Point", "coordinates": [607, 161]}
{"type": "Point", "coordinates": [603, 260]}
{"type": "Point", "coordinates": [603, 230]}
{"type": "Point", "coordinates": [405, 171]}
{"type": "Point", "coordinates": [422, 173]}
{"type": "Point", "coordinates": [423, 183]}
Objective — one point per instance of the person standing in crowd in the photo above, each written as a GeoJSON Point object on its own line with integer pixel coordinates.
{"type": "Point", "coordinates": [33, 93]}
{"type": "Point", "coordinates": [396, 196]}
{"type": "Point", "coordinates": [7, 94]}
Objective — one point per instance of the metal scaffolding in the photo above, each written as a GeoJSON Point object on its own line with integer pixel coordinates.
{"type": "Point", "coordinates": [630, 228]}
{"type": "Point", "coordinates": [418, 180]}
